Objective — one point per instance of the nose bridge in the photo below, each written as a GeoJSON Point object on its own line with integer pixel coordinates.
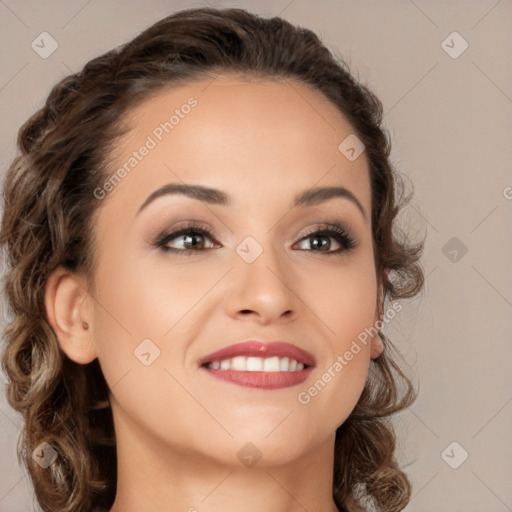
{"type": "Point", "coordinates": [261, 280]}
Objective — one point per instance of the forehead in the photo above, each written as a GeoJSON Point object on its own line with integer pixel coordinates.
{"type": "Point", "coordinates": [257, 137]}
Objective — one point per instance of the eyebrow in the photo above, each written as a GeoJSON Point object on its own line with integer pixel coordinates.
{"type": "Point", "coordinates": [309, 197]}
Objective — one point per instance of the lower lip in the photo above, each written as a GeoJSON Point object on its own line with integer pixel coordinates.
{"type": "Point", "coordinates": [262, 380]}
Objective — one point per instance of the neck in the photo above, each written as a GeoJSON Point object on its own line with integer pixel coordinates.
{"type": "Point", "coordinates": [155, 476]}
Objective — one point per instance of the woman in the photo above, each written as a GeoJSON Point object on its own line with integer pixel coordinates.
{"type": "Point", "coordinates": [253, 373]}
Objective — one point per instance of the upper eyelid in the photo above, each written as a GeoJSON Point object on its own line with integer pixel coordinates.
{"type": "Point", "coordinates": [180, 231]}
{"type": "Point", "coordinates": [344, 218]}
{"type": "Point", "coordinates": [344, 222]}
{"type": "Point", "coordinates": [211, 232]}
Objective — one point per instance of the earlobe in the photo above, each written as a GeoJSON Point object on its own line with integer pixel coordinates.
{"type": "Point", "coordinates": [377, 347]}
{"type": "Point", "coordinates": [69, 312]}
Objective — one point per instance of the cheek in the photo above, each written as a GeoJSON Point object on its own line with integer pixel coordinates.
{"type": "Point", "coordinates": [345, 304]}
{"type": "Point", "coordinates": [136, 303]}
{"type": "Point", "coordinates": [144, 300]}
{"type": "Point", "coordinates": [344, 300]}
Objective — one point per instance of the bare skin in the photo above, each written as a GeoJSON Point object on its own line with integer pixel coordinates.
{"type": "Point", "coordinates": [179, 430]}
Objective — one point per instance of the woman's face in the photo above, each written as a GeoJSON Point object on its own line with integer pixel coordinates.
{"type": "Point", "coordinates": [163, 304]}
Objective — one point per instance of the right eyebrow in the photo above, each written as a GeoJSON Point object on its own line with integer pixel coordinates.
{"type": "Point", "coordinates": [199, 192]}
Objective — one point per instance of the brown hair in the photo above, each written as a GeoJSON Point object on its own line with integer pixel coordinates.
{"type": "Point", "coordinates": [49, 203]}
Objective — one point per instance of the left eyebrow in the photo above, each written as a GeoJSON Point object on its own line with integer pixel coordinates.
{"type": "Point", "coordinates": [209, 195]}
{"type": "Point", "coordinates": [318, 195]}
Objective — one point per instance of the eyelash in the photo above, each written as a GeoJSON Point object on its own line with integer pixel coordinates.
{"type": "Point", "coordinates": [332, 230]}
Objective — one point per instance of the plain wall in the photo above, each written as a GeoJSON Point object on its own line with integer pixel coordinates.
{"type": "Point", "coordinates": [451, 123]}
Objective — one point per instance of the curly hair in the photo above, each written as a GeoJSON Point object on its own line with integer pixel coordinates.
{"type": "Point", "coordinates": [48, 221]}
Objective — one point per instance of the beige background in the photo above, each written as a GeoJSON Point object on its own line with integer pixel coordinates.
{"type": "Point", "coordinates": [451, 123]}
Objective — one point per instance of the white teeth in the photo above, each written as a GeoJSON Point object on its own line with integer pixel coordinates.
{"type": "Point", "coordinates": [258, 364]}
{"type": "Point", "coordinates": [271, 364]}
{"type": "Point", "coordinates": [254, 364]}
{"type": "Point", "coordinates": [239, 363]}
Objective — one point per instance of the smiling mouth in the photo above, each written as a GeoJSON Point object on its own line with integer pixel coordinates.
{"type": "Point", "coordinates": [257, 364]}
{"type": "Point", "coordinates": [261, 365]}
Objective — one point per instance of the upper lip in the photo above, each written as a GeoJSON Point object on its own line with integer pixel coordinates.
{"type": "Point", "coordinates": [261, 349]}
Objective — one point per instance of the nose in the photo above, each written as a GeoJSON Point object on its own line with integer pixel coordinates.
{"type": "Point", "coordinates": [264, 290]}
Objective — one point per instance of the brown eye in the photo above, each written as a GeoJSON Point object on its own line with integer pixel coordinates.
{"type": "Point", "coordinates": [335, 232]}
{"type": "Point", "coordinates": [192, 240]}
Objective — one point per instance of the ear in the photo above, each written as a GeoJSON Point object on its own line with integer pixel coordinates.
{"type": "Point", "coordinates": [69, 311]}
{"type": "Point", "coordinates": [377, 346]}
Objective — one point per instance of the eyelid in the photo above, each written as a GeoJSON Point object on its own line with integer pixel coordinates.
{"type": "Point", "coordinates": [332, 223]}
{"type": "Point", "coordinates": [191, 224]}
{"type": "Point", "coordinates": [320, 226]}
